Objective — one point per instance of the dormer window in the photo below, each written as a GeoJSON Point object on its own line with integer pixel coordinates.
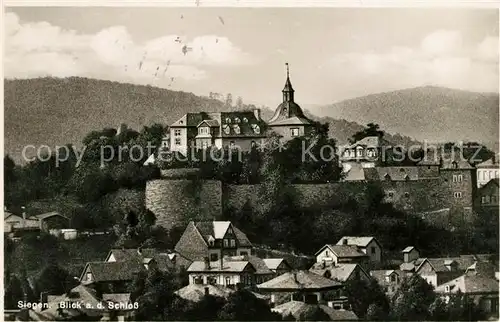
{"type": "Point", "coordinates": [245, 120]}
{"type": "Point", "coordinates": [447, 288]}
{"type": "Point", "coordinates": [226, 129]}
{"type": "Point", "coordinates": [89, 277]}
{"type": "Point", "coordinates": [256, 128]}
{"type": "Point", "coordinates": [359, 151]}
{"type": "Point", "coordinates": [204, 130]}
{"type": "Point", "coordinates": [228, 120]}
{"type": "Point", "coordinates": [236, 129]}
{"type": "Point", "coordinates": [454, 165]}
{"type": "Point", "coordinates": [236, 120]}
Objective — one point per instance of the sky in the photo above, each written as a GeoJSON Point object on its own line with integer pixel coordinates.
{"type": "Point", "coordinates": [333, 53]}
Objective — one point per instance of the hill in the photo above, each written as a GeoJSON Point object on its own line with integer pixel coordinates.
{"type": "Point", "coordinates": [54, 111]}
{"type": "Point", "coordinates": [435, 114]}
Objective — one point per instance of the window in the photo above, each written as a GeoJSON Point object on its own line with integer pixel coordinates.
{"type": "Point", "coordinates": [89, 276]}
{"type": "Point", "coordinates": [236, 129]}
{"type": "Point", "coordinates": [327, 253]}
{"type": "Point", "coordinates": [496, 174]}
{"type": "Point", "coordinates": [236, 120]}
{"type": "Point", "coordinates": [233, 243]}
{"type": "Point", "coordinates": [447, 288]}
{"type": "Point", "coordinates": [214, 257]}
{"type": "Point", "coordinates": [483, 199]}
{"type": "Point", "coordinates": [454, 165]}
{"type": "Point", "coordinates": [493, 199]}
{"type": "Point", "coordinates": [256, 128]}
{"type": "Point", "coordinates": [226, 129]}
{"type": "Point", "coordinates": [198, 280]}
{"type": "Point", "coordinates": [164, 144]}
{"type": "Point", "coordinates": [204, 144]}
{"type": "Point", "coordinates": [228, 120]}
{"type": "Point", "coordinates": [359, 151]}
{"type": "Point", "coordinates": [373, 250]}
{"type": "Point", "coordinates": [370, 152]}
{"type": "Point", "coordinates": [245, 120]}
{"type": "Point", "coordinates": [457, 194]}
{"type": "Point", "coordinates": [294, 132]}
{"type": "Point", "coordinates": [407, 194]}
{"type": "Point", "coordinates": [177, 132]}
{"type": "Point", "coordinates": [487, 199]}
{"type": "Point", "coordinates": [231, 144]}
{"type": "Point", "coordinates": [228, 280]}
{"type": "Point", "coordinates": [212, 280]}
{"type": "Point", "coordinates": [226, 243]}
{"type": "Point", "coordinates": [346, 153]}
{"type": "Point", "coordinates": [327, 274]}
{"type": "Point", "coordinates": [243, 253]}
{"type": "Point", "coordinates": [203, 130]}
{"type": "Point", "coordinates": [177, 141]}
{"type": "Point", "coordinates": [253, 144]}
{"type": "Point", "coordinates": [394, 278]}
{"type": "Point", "coordinates": [458, 178]}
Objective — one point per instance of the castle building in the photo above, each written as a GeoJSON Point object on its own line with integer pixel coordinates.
{"type": "Point", "coordinates": [487, 171]}
{"type": "Point", "coordinates": [236, 129]}
{"type": "Point", "coordinates": [289, 120]}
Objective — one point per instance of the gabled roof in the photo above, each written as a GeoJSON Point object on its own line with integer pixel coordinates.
{"type": "Point", "coordinates": [227, 266]}
{"type": "Point", "coordinates": [258, 263]}
{"type": "Point", "coordinates": [299, 280]}
{"type": "Point", "coordinates": [370, 142]}
{"type": "Point", "coordinates": [113, 271]}
{"type": "Point", "coordinates": [381, 275]}
{"type": "Point", "coordinates": [217, 229]}
{"type": "Point", "coordinates": [409, 249]}
{"type": "Point", "coordinates": [274, 263]}
{"type": "Point", "coordinates": [295, 120]}
{"type": "Point", "coordinates": [353, 172]}
{"type": "Point", "coordinates": [48, 215]}
{"type": "Point", "coordinates": [470, 284]}
{"type": "Point", "coordinates": [344, 250]}
{"type": "Point", "coordinates": [391, 173]}
{"type": "Point", "coordinates": [358, 241]}
{"type": "Point", "coordinates": [460, 164]}
{"type": "Point", "coordinates": [210, 123]}
{"type": "Point", "coordinates": [297, 308]}
{"type": "Point", "coordinates": [494, 181]}
{"type": "Point", "coordinates": [339, 272]}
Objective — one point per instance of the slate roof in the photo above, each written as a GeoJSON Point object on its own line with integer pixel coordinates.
{"type": "Point", "coordinates": [228, 266]}
{"type": "Point", "coordinates": [490, 163]}
{"type": "Point", "coordinates": [217, 229]}
{"type": "Point", "coordinates": [273, 263]}
{"type": "Point", "coordinates": [211, 123]}
{"type": "Point", "coordinates": [408, 249]}
{"type": "Point", "coordinates": [470, 284]}
{"type": "Point", "coordinates": [196, 292]}
{"type": "Point", "coordinates": [48, 215]}
{"type": "Point", "coordinates": [258, 263]}
{"type": "Point", "coordinates": [358, 241]}
{"type": "Point", "coordinates": [391, 173]}
{"type": "Point", "coordinates": [344, 250]}
{"type": "Point", "coordinates": [380, 275]}
{"type": "Point", "coordinates": [124, 254]}
{"type": "Point", "coordinates": [339, 272]}
{"type": "Point", "coordinates": [113, 271]}
{"type": "Point", "coordinates": [295, 120]}
{"type": "Point", "coordinates": [370, 142]}
{"type": "Point", "coordinates": [299, 280]}
{"type": "Point", "coordinates": [296, 308]}
{"type": "Point", "coordinates": [461, 164]}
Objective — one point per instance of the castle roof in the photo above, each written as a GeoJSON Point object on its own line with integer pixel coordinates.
{"type": "Point", "coordinates": [299, 280]}
{"type": "Point", "coordinates": [391, 173]}
{"type": "Point", "coordinates": [490, 163]}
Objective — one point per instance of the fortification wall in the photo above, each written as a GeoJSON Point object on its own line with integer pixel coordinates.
{"type": "Point", "coordinates": [177, 201]}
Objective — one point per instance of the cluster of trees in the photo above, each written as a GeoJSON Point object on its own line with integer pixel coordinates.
{"type": "Point", "coordinates": [108, 162]}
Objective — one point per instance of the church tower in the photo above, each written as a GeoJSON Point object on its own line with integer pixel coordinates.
{"type": "Point", "coordinates": [289, 120]}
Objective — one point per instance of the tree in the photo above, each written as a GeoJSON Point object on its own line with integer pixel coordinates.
{"type": "Point", "coordinates": [242, 305]}
{"type": "Point", "coordinates": [362, 294]}
{"type": "Point", "coordinates": [413, 299]}
{"type": "Point", "coordinates": [229, 100]}
{"type": "Point", "coordinates": [53, 279]}
{"type": "Point", "coordinates": [313, 313]}
{"type": "Point", "coordinates": [239, 102]}
{"type": "Point", "coordinates": [13, 292]}
{"type": "Point", "coordinates": [371, 129]}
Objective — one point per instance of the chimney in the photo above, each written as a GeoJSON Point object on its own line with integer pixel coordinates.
{"type": "Point", "coordinates": [221, 262]}
{"type": "Point", "coordinates": [44, 298]}
{"type": "Point", "coordinates": [207, 291]}
{"type": "Point", "coordinates": [24, 212]}
{"type": "Point", "coordinates": [330, 304]}
{"type": "Point", "coordinates": [207, 263]}
{"type": "Point", "coordinates": [256, 112]}
{"type": "Point", "coordinates": [323, 264]}
{"type": "Point", "coordinates": [295, 277]}
{"type": "Point", "coordinates": [344, 241]}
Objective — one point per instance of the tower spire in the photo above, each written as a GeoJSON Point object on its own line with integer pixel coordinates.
{"type": "Point", "coordinates": [287, 71]}
{"type": "Point", "coordinates": [288, 89]}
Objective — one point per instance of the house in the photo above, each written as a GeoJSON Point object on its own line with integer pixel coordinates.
{"type": "Point", "coordinates": [337, 254]}
{"type": "Point", "coordinates": [487, 195]}
{"type": "Point", "coordinates": [487, 171]}
{"type": "Point", "coordinates": [298, 309]}
{"type": "Point", "coordinates": [214, 239]}
{"type": "Point", "coordinates": [164, 261]}
{"type": "Point", "coordinates": [111, 277]}
{"type": "Point", "coordinates": [367, 152]}
{"type": "Point", "coordinates": [437, 271]}
{"type": "Point", "coordinates": [277, 265]}
{"type": "Point", "coordinates": [262, 271]}
{"type": "Point", "coordinates": [479, 284]}
{"type": "Point", "coordinates": [289, 120]}
{"type": "Point", "coordinates": [47, 222]}
{"type": "Point", "coordinates": [222, 272]}
{"type": "Point", "coordinates": [368, 245]}
{"type": "Point", "coordinates": [236, 129]}
{"type": "Point", "coordinates": [410, 254]}
{"type": "Point", "coordinates": [341, 272]}
{"type": "Point", "coordinates": [389, 280]}
{"type": "Point", "coordinates": [303, 285]}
